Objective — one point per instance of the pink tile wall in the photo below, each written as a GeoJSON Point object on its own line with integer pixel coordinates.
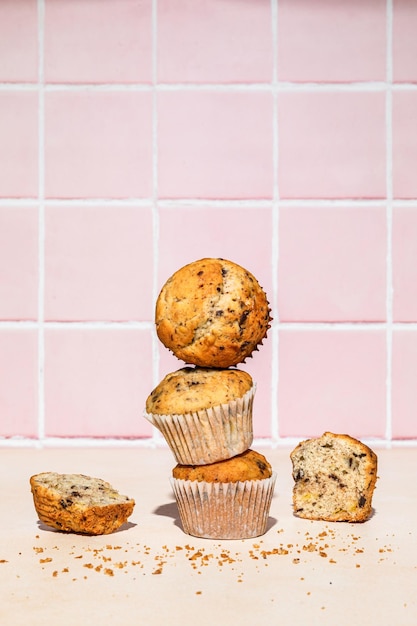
{"type": "Point", "coordinates": [138, 136]}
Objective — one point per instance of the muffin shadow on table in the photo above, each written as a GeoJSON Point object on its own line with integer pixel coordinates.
{"type": "Point", "coordinates": [49, 529]}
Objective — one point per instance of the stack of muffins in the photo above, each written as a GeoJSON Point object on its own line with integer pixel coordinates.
{"type": "Point", "coordinates": [213, 314]}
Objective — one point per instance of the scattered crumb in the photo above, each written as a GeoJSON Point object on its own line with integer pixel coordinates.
{"type": "Point", "coordinates": [324, 543]}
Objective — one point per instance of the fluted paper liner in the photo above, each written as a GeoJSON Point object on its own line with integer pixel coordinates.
{"type": "Point", "coordinates": [214, 434]}
{"type": "Point", "coordinates": [237, 510]}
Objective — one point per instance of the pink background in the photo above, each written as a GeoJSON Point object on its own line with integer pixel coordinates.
{"type": "Point", "coordinates": [137, 136]}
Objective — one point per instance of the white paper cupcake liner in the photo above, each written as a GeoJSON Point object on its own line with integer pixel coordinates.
{"type": "Point", "coordinates": [214, 434]}
{"type": "Point", "coordinates": [224, 510]}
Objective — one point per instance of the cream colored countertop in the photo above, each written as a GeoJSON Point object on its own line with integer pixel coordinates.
{"type": "Point", "coordinates": [150, 572]}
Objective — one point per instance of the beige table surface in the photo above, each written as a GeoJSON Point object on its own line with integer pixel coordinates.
{"type": "Point", "coordinates": [150, 572]}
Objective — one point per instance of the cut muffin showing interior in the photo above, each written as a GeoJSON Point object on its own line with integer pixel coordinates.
{"type": "Point", "coordinates": [79, 504]}
{"type": "Point", "coordinates": [335, 477]}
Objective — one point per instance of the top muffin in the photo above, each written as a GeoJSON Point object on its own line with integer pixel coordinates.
{"type": "Point", "coordinates": [212, 313]}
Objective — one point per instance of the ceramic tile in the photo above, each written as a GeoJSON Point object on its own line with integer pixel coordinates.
{"type": "Point", "coordinates": [214, 42]}
{"type": "Point", "coordinates": [331, 40]}
{"type": "Point", "coordinates": [404, 42]}
{"type": "Point", "coordinates": [109, 44]}
{"type": "Point", "coordinates": [259, 367]}
{"type": "Point", "coordinates": [98, 144]}
{"type": "Point", "coordinates": [19, 41]}
{"type": "Point", "coordinates": [344, 156]}
{"type": "Point", "coordinates": [404, 393]}
{"type": "Point", "coordinates": [18, 383]}
{"type": "Point", "coordinates": [332, 380]}
{"type": "Point", "coordinates": [18, 144]}
{"type": "Point", "coordinates": [217, 145]}
{"type": "Point", "coordinates": [95, 382]}
{"type": "Point", "coordinates": [18, 263]}
{"type": "Point", "coordinates": [404, 263]}
{"type": "Point", "coordinates": [214, 138]}
{"type": "Point", "coordinates": [98, 263]}
{"type": "Point", "coordinates": [332, 264]}
{"type": "Point", "coordinates": [404, 144]}
{"type": "Point", "coordinates": [238, 234]}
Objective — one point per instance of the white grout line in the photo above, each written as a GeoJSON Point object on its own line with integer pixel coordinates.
{"type": "Point", "coordinates": [275, 230]}
{"type": "Point", "coordinates": [363, 86]}
{"type": "Point", "coordinates": [149, 325]}
{"type": "Point", "coordinates": [120, 203]}
{"type": "Point", "coordinates": [332, 326]}
{"type": "Point", "coordinates": [41, 222]}
{"type": "Point", "coordinates": [203, 203]}
{"type": "Point", "coordinates": [68, 325]}
{"type": "Point", "coordinates": [160, 443]}
{"type": "Point", "coordinates": [389, 192]}
{"type": "Point", "coordinates": [155, 206]}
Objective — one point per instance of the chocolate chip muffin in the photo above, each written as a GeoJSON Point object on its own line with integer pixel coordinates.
{"type": "Point", "coordinates": [335, 477]}
{"type": "Point", "coordinates": [250, 465]}
{"type": "Point", "coordinates": [205, 414]}
{"type": "Point", "coordinates": [79, 504]}
{"type": "Point", "coordinates": [226, 500]}
{"type": "Point", "coordinates": [212, 313]}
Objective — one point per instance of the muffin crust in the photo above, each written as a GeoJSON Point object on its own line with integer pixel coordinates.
{"type": "Point", "coordinates": [250, 465]}
{"type": "Point", "coordinates": [212, 313]}
{"type": "Point", "coordinates": [194, 388]}
{"type": "Point", "coordinates": [78, 503]}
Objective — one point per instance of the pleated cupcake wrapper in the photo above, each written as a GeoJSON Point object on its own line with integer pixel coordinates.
{"type": "Point", "coordinates": [224, 510]}
{"type": "Point", "coordinates": [210, 435]}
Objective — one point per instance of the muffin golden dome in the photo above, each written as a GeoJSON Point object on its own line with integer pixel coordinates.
{"type": "Point", "coordinates": [212, 313]}
{"type": "Point", "coordinates": [204, 414]}
{"type": "Point", "coordinates": [194, 388]}
{"type": "Point", "coordinates": [250, 465]}
{"type": "Point", "coordinates": [226, 500]}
